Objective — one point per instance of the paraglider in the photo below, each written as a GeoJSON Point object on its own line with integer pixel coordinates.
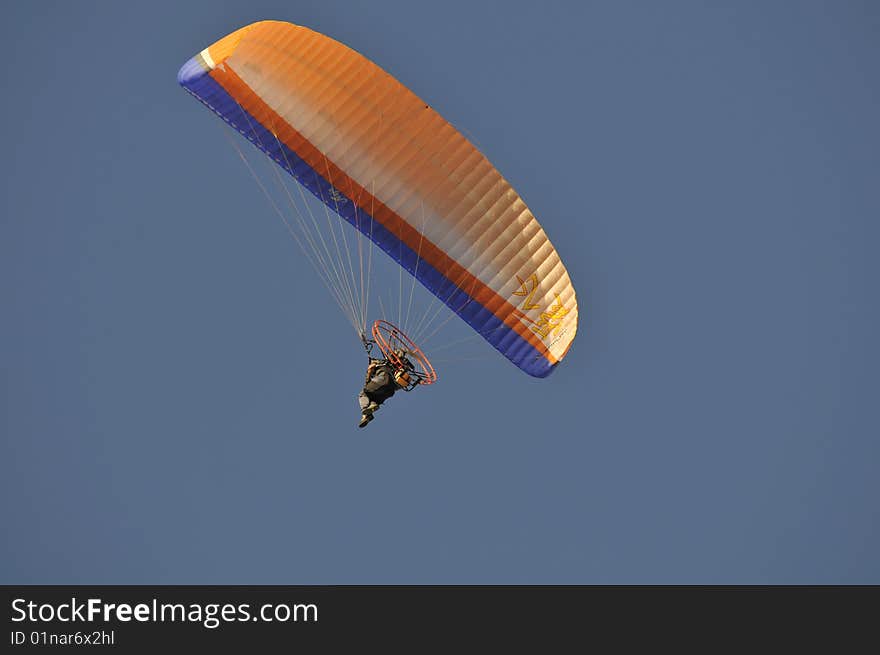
{"type": "Point", "coordinates": [403, 365]}
{"type": "Point", "coordinates": [406, 180]}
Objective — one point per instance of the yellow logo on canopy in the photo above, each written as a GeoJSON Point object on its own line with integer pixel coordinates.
{"type": "Point", "coordinates": [549, 321]}
{"type": "Point", "coordinates": [528, 292]}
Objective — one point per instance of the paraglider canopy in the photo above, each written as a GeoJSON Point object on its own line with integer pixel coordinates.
{"type": "Point", "coordinates": [384, 161]}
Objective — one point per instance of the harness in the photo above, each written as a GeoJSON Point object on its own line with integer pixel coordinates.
{"type": "Point", "coordinates": [403, 372]}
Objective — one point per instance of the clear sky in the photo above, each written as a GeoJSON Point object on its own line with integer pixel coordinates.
{"type": "Point", "coordinates": [178, 392]}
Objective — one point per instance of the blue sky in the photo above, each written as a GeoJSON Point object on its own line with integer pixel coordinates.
{"type": "Point", "coordinates": [178, 393]}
